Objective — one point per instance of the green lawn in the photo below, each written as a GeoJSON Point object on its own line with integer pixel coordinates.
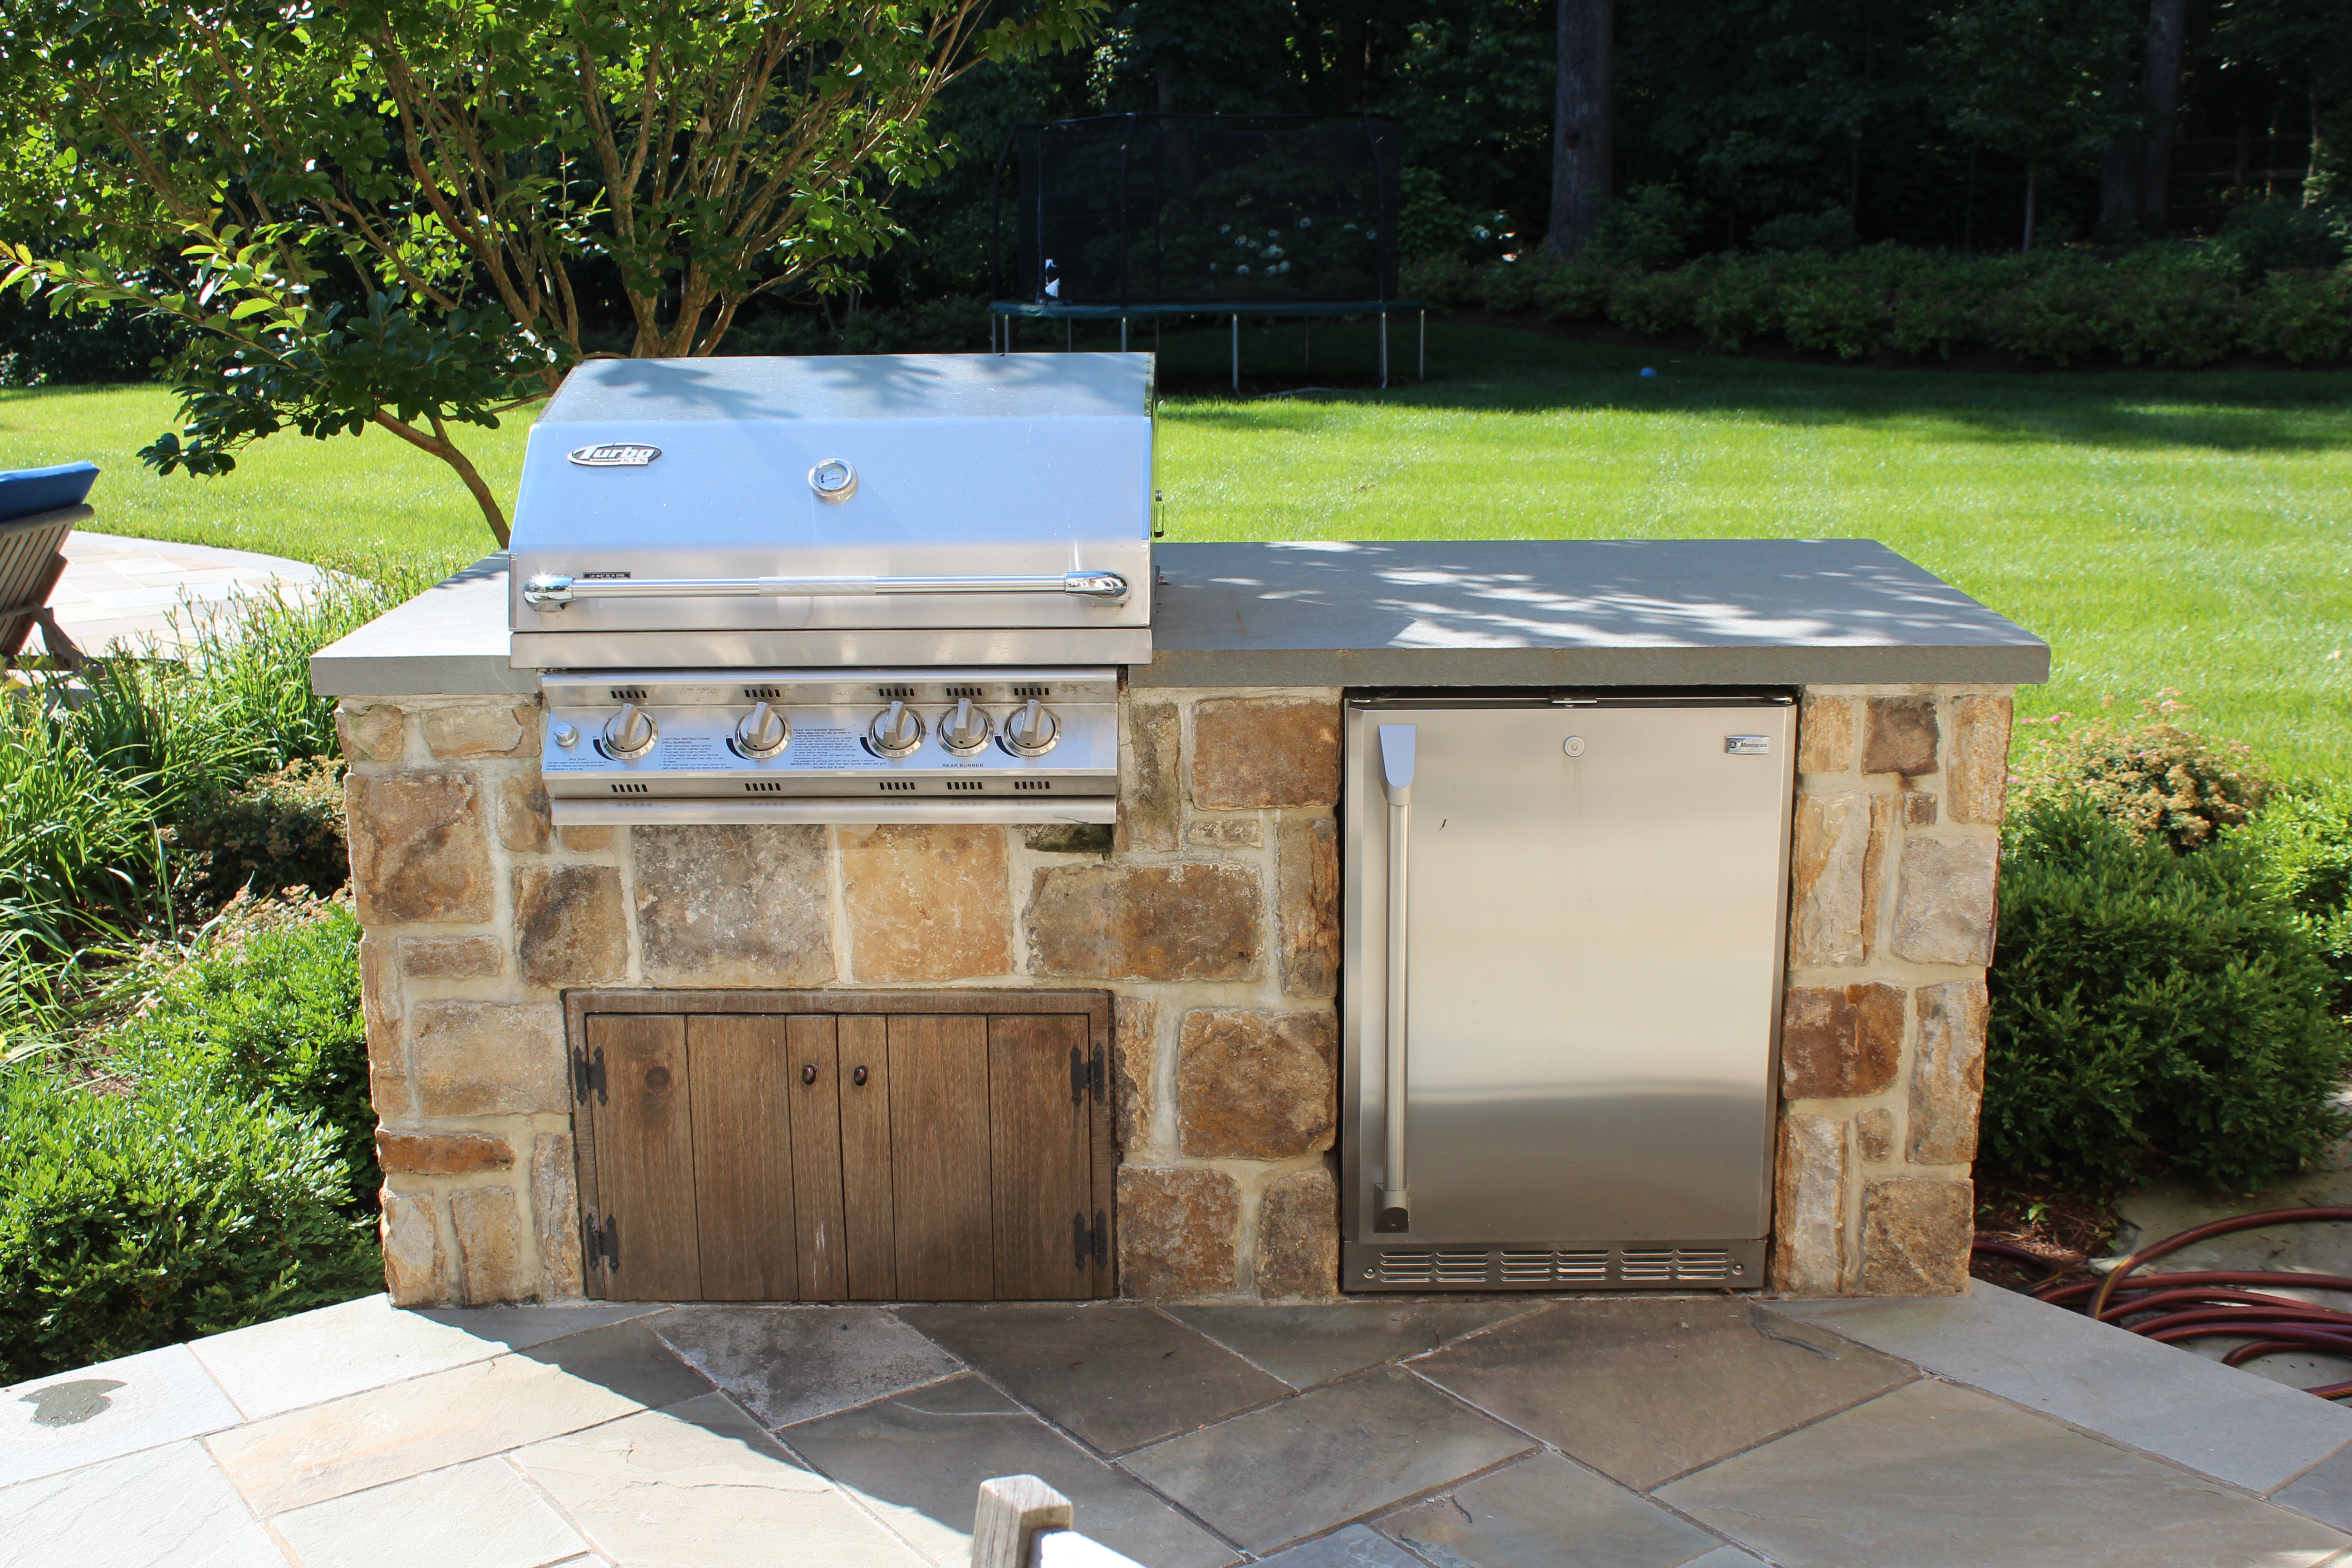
{"type": "Point", "coordinates": [2176, 530]}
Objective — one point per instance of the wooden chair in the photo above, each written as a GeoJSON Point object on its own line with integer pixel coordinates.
{"type": "Point", "coordinates": [38, 506]}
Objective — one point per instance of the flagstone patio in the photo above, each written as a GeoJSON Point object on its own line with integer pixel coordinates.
{"type": "Point", "coordinates": [1460, 1433]}
{"type": "Point", "coordinates": [148, 596]}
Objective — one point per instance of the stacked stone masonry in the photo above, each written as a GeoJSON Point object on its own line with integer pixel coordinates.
{"type": "Point", "coordinates": [1211, 913]}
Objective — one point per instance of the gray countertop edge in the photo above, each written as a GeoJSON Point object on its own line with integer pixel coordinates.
{"type": "Point", "coordinates": [1968, 665]}
{"type": "Point", "coordinates": [488, 675]}
{"type": "Point", "coordinates": [1284, 619]}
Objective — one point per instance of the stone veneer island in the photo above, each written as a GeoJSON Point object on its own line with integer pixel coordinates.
{"type": "Point", "coordinates": [1210, 912]}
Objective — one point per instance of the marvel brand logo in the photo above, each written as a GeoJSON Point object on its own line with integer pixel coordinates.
{"type": "Point", "coordinates": [613, 455]}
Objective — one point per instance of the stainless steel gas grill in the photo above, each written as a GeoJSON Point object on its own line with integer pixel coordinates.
{"type": "Point", "coordinates": [863, 589]}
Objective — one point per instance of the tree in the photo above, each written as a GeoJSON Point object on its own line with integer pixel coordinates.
{"type": "Point", "coordinates": [2037, 79]}
{"type": "Point", "coordinates": [1584, 159]}
{"type": "Point", "coordinates": [2136, 173]}
{"type": "Point", "coordinates": [407, 213]}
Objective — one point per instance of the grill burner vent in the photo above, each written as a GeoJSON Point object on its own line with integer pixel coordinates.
{"type": "Point", "coordinates": [1033, 784]}
{"type": "Point", "coordinates": [628, 694]}
{"type": "Point", "coordinates": [895, 693]}
{"type": "Point", "coordinates": [1040, 692]}
{"type": "Point", "coordinates": [762, 693]}
{"type": "Point", "coordinates": [966, 786]}
{"type": "Point", "coordinates": [896, 786]}
{"type": "Point", "coordinates": [967, 691]}
{"type": "Point", "coordinates": [1405, 1267]}
{"type": "Point", "coordinates": [632, 789]}
{"type": "Point", "coordinates": [762, 786]}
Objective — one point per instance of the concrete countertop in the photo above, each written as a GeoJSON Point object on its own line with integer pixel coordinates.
{"type": "Point", "coordinates": [1551, 613]}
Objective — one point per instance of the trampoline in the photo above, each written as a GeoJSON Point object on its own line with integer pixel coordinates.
{"type": "Point", "coordinates": [1141, 218]}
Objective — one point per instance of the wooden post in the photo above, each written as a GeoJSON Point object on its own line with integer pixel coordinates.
{"type": "Point", "coordinates": [1012, 1509]}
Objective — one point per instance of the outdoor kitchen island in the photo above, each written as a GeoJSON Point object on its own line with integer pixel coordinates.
{"type": "Point", "coordinates": [1189, 956]}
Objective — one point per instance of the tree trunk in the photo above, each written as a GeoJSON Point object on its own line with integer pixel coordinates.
{"type": "Point", "coordinates": [1583, 112]}
{"type": "Point", "coordinates": [2168, 23]}
{"type": "Point", "coordinates": [2119, 175]}
{"type": "Point", "coordinates": [2030, 175]}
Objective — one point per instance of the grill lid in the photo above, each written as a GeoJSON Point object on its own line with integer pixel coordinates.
{"type": "Point", "coordinates": [672, 510]}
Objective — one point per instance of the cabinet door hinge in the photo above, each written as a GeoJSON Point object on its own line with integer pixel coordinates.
{"type": "Point", "coordinates": [588, 1074]}
{"type": "Point", "coordinates": [1099, 1243]}
{"type": "Point", "coordinates": [1097, 1079]}
{"type": "Point", "coordinates": [1089, 1244]}
{"type": "Point", "coordinates": [1085, 1073]}
{"type": "Point", "coordinates": [600, 1248]}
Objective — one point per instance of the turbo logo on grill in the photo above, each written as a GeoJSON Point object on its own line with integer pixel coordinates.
{"type": "Point", "coordinates": [613, 455]}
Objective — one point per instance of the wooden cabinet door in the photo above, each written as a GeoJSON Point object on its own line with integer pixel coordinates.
{"type": "Point", "coordinates": [1039, 1149]}
{"type": "Point", "coordinates": [642, 1210]}
{"type": "Point", "coordinates": [886, 1151]}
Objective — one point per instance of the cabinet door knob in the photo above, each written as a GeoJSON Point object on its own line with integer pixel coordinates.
{"type": "Point", "coordinates": [859, 1078]}
{"type": "Point", "coordinates": [808, 1073]}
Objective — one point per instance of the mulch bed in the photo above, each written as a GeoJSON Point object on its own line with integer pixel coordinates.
{"type": "Point", "coordinates": [2069, 1229]}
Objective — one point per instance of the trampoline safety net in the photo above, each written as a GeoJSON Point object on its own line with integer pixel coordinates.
{"type": "Point", "coordinates": [1202, 210]}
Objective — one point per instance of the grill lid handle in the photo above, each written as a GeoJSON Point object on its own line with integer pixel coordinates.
{"type": "Point", "coordinates": [553, 591]}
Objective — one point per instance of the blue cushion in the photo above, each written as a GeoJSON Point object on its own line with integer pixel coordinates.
{"type": "Point", "coordinates": [24, 491]}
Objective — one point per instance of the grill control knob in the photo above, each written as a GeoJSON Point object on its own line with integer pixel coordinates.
{"type": "Point", "coordinates": [630, 733]}
{"type": "Point", "coordinates": [964, 729]}
{"type": "Point", "coordinates": [1032, 730]}
{"type": "Point", "coordinates": [895, 730]}
{"type": "Point", "coordinates": [565, 735]}
{"type": "Point", "coordinates": [762, 732]}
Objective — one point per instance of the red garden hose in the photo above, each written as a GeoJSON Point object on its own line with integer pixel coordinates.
{"type": "Point", "coordinates": [2215, 1303]}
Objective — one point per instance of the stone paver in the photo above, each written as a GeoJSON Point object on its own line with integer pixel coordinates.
{"type": "Point", "coordinates": [917, 1461]}
{"type": "Point", "coordinates": [2152, 1397]}
{"type": "Point", "coordinates": [481, 1514]}
{"type": "Point", "coordinates": [53, 1424]}
{"type": "Point", "coordinates": [1358, 1546]}
{"type": "Point", "coordinates": [1335, 1452]}
{"type": "Point", "coordinates": [147, 594]}
{"type": "Point", "coordinates": [1307, 1345]}
{"type": "Point", "coordinates": [313, 1357]}
{"type": "Point", "coordinates": [1645, 1389]}
{"type": "Point", "coordinates": [1930, 1476]}
{"type": "Point", "coordinates": [1116, 1376]}
{"type": "Point", "coordinates": [795, 1363]}
{"type": "Point", "coordinates": [700, 1483]}
{"type": "Point", "coordinates": [168, 1505]}
{"type": "Point", "coordinates": [1546, 1508]}
{"type": "Point", "coordinates": [1724, 1432]}
{"type": "Point", "coordinates": [468, 1412]}
{"type": "Point", "coordinates": [2323, 1491]}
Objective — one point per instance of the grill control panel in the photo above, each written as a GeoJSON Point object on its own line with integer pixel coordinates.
{"type": "Point", "coordinates": [895, 734]}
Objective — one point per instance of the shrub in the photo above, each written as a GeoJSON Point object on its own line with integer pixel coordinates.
{"type": "Point", "coordinates": [133, 1220]}
{"type": "Point", "coordinates": [2303, 317]}
{"type": "Point", "coordinates": [2152, 1009]}
{"type": "Point", "coordinates": [1829, 230]}
{"type": "Point", "coordinates": [2261, 236]}
{"type": "Point", "coordinates": [1658, 303]}
{"type": "Point", "coordinates": [1576, 290]}
{"type": "Point", "coordinates": [272, 1015]}
{"type": "Point", "coordinates": [1742, 305]}
{"type": "Point", "coordinates": [2155, 779]}
{"type": "Point", "coordinates": [282, 829]}
{"type": "Point", "coordinates": [2303, 839]}
{"type": "Point", "coordinates": [1649, 228]}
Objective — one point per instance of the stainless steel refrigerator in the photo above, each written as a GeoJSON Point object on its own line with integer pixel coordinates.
{"type": "Point", "coordinates": [1565, 922]}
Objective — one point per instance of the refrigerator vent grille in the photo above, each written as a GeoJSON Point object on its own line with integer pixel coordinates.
{"type": "Point", "coordinates": [1461, 1268]}
{"type": "Point", "coordinates": [1405, 1267]}
{"type": "Point", "coordinates": [1535, 1269]}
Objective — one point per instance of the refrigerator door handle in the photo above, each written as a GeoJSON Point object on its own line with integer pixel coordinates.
{"type": "Point", "coordinates": [1396, 777]}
